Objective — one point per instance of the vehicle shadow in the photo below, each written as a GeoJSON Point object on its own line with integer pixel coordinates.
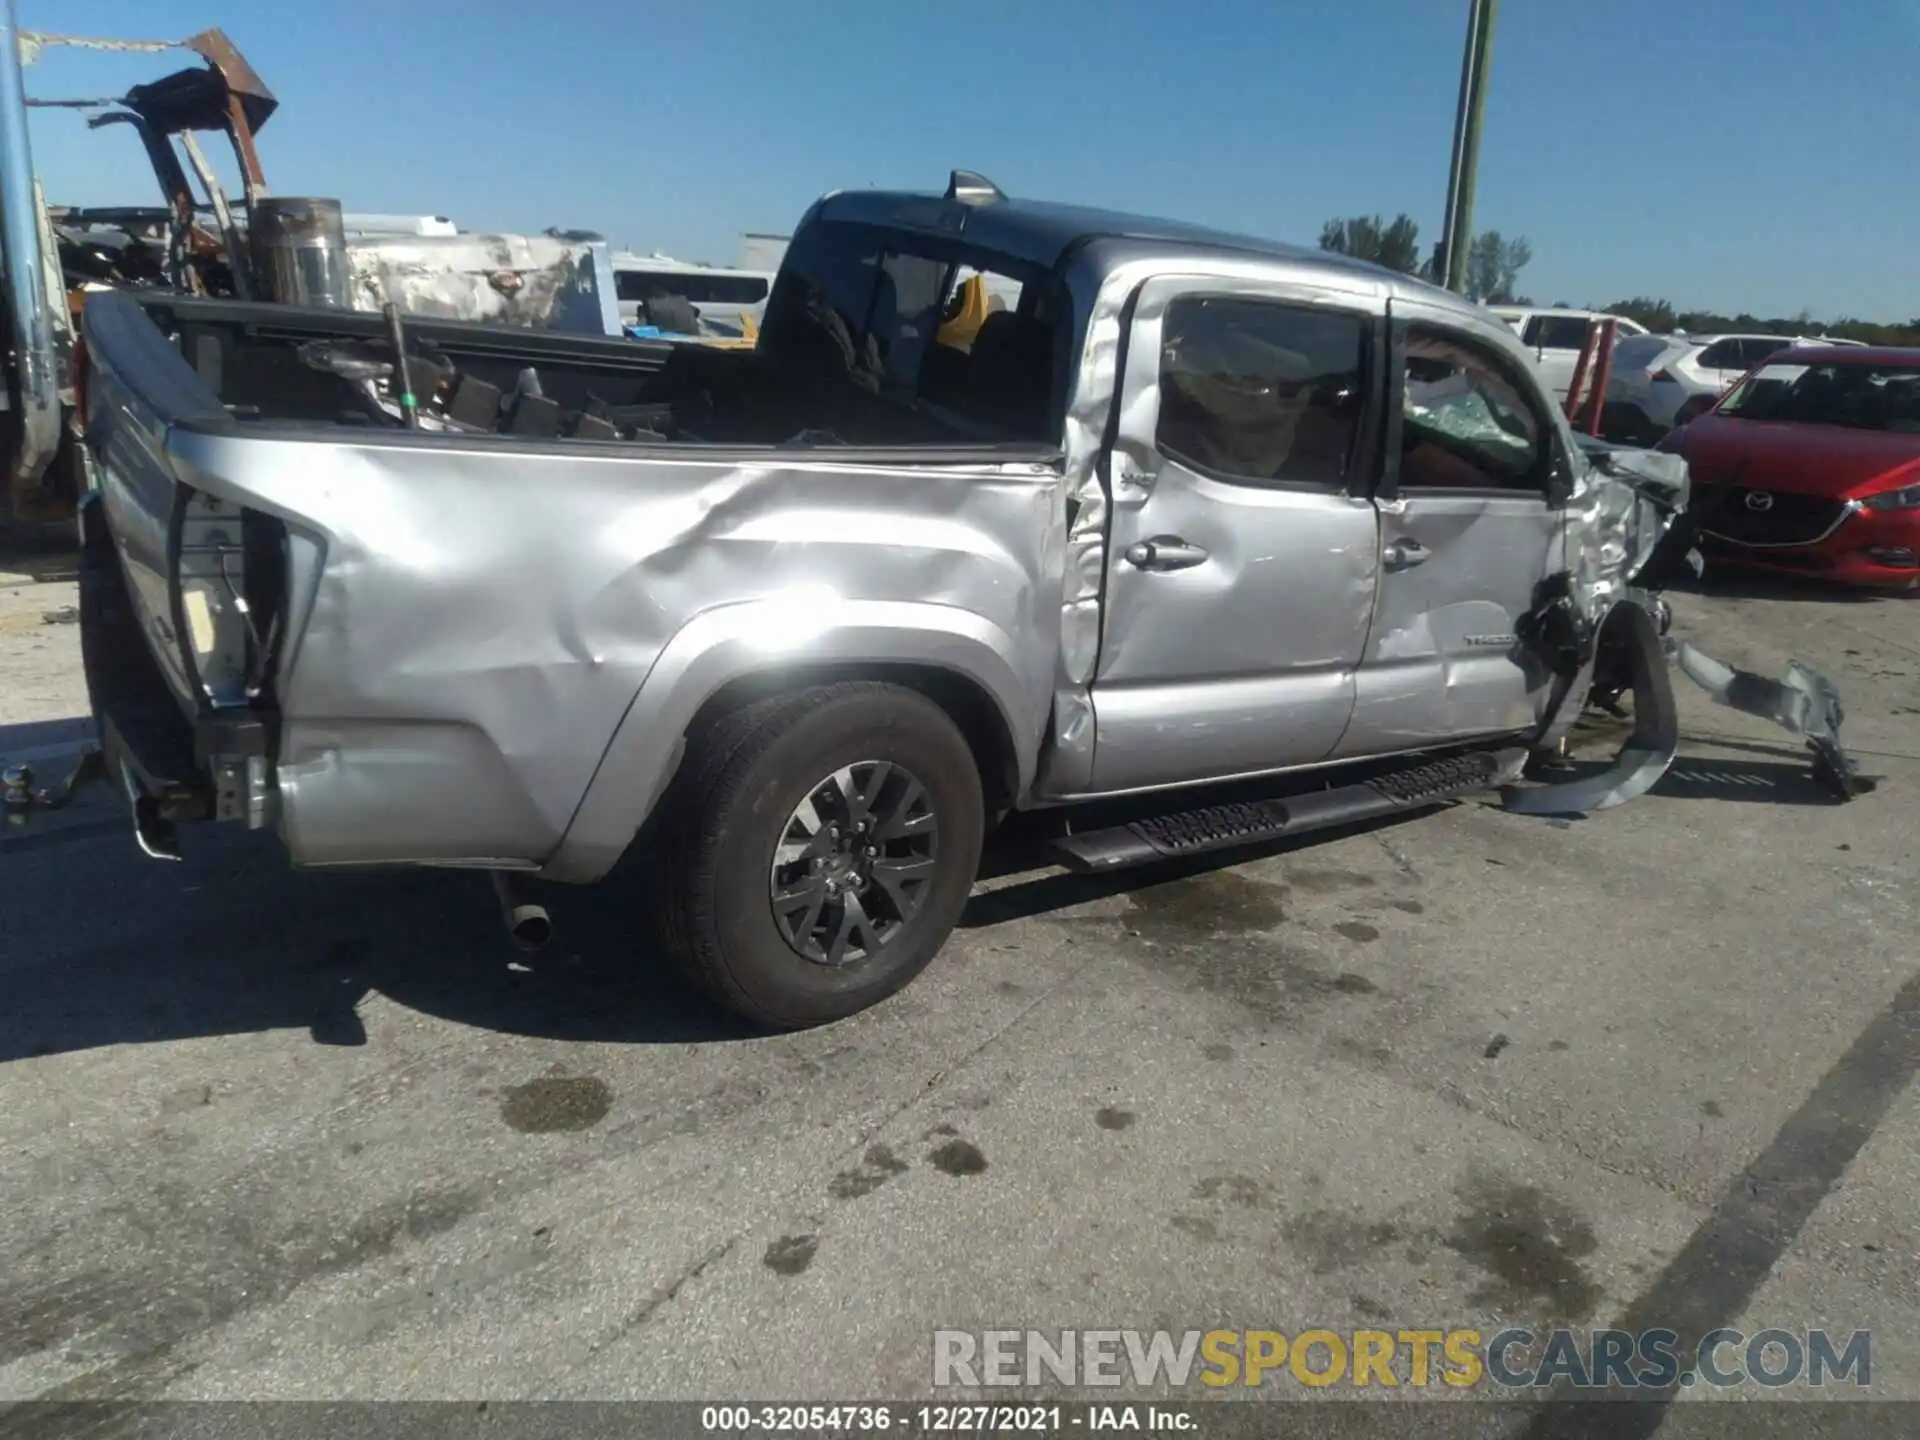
{"type": "Point", "coordinates": [45, 556]}
{"type": "Point", "coordinates": [104, 947]}
{"type": "Point", "coordinates": [1761, 782]}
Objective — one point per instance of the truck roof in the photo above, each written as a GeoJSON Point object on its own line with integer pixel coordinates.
{"type": "Point", "coordinates": [1043, 233]}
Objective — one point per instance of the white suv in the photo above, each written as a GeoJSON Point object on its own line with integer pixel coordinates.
{"type": "Point", "coordinates": [1660, 381]}
{"type": "Point", "coordinates": [1555, 337]}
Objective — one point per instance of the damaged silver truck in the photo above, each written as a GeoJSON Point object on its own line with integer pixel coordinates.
{"type": "Point", "coordinates": [1267, 540]}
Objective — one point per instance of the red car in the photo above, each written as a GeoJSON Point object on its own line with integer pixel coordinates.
{"type": "Point", "coordinates": [1811, 464]}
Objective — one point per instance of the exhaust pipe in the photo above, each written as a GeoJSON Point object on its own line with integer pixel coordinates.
{"type": "Point", "coordinates": [526, 921]}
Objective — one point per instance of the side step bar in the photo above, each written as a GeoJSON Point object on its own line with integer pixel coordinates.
{"type": "Point", "coordinates": [1252, 822]}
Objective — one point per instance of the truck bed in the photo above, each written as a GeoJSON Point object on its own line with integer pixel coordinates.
{"type": "Point", "coordinates": [482, 643]}
{"type": "Point", "coordinates": [271, 365]}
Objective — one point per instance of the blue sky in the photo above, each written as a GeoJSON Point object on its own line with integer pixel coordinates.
{"type": "Point", "coordinates": [1728, 154]}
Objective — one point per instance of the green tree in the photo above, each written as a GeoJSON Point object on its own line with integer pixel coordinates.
{"type": "Point", "coordinates": [1494, 264]}
{"type": "Point", "coordinates": [1394, 244]}
{"type": "Point", "coordinates": [1657, 315]}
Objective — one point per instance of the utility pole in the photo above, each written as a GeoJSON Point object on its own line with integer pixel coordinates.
{"type": "Point", "coordinates": [1457, 229]}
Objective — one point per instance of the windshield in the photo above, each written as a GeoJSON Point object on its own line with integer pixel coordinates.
{"type": "Point", "coordinates": [1855, 397]}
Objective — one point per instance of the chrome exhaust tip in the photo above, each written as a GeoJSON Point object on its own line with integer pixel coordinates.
{"type": "Point", "coordinates": [527, 922]}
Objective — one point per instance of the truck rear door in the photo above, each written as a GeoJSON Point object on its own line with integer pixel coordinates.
{"type": "Point", "coordinates": [1244, 545]}
{"type": "Point", "coordinates": [1468, 527]}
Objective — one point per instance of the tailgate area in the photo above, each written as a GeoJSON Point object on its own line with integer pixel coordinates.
{"type": "Point", "coordinates": [147, 739]}
{"type": "Point", "coordinates": [173, 766]}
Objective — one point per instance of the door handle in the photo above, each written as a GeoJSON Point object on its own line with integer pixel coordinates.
{"type": "Point", "coordinates": [1406, 553]}
{"type": "Point", "coordinates": [1164, 552]}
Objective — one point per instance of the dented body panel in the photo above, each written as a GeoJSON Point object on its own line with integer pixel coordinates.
{"type": "Point", "coordinates": [485, 668]}
{"type": "Point", "coordinates": [1272, 617]}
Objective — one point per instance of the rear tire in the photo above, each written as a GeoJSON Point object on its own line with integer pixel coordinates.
{"type": "Point", "coordinates": [751, 789]}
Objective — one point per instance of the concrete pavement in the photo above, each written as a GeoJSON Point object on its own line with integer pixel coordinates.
{"type": "Point", "coordinates": [269, 1135]}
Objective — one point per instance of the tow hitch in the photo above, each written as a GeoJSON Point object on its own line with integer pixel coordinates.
{"type": "Point", "coordinates": [22, 800]}
{"type": "Point", "coordinates": [152, 826]}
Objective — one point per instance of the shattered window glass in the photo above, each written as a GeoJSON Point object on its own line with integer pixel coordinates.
{"type": "Point", "coordinates": [1466, 422]}
{"type": "Point", "coordinates": [1260, 391]}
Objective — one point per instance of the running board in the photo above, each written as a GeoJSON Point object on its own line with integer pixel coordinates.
{"type": "Point", "coordinates": [1253, 822]}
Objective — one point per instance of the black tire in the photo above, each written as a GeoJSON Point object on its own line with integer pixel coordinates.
{"type": "Point", "coordinates": [725, 814]}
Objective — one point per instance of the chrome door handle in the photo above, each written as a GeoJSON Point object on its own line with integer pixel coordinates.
{"type": "Point", "coordinates": [1164, 552]}
{"type": "Point", "coordinates": [1405, 554]}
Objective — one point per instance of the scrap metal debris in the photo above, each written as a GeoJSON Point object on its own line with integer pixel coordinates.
{"type": "Point", "coordinates": [1803, 702]}
{"type": "Point", "coordinates": [1601, 631]}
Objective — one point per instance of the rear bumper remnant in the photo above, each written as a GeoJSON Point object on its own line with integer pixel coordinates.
{"type": "Point", "coordinates": [1803, 702]}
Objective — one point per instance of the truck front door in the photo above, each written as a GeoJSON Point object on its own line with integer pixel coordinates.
{"type": "Point", "coordinates": [1469, 520]}
{"type": "Point", "coordinates": [1244, 548]}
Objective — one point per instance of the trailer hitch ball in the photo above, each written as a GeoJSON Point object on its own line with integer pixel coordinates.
{"type": "Point", "coordinates": [17, 781]}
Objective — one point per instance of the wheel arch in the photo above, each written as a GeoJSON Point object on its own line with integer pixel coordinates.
{"type": "Point", "coordinates": [727, 657]}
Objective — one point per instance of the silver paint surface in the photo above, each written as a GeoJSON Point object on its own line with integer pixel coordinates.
{"type": "Point", "coordinates": [474, 652]}
{"type": "Point", "coordinates": [1196, 664]}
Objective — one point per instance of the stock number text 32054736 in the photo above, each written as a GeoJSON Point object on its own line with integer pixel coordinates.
{"type": "Point", "coordinates": [881, 1419]}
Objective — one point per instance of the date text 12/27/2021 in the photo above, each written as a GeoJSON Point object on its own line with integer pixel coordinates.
{"type": "Point", "coordinates": [884, 1419]}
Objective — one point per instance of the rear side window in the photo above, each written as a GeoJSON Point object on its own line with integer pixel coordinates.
{"type": "Point", "coordinates": [1639, 352]}
{"type": "Point", "coordinates": [870, 308]}
{"type": "Point", "coordinates": [1721, 355]}
{"type": "Point", "coordinates": [1260, 392]}
{"type": "Point", "coordinates": [1467, 423]}
{"type": "Point", "coordinates": [1755, 352]}
{"type": "Point", "coordinates": [1557, 332]}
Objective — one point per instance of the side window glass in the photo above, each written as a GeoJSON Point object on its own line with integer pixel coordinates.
{"type": "Point", "coordinates": [1755, 352]}
{"type": "Point", "coordinates": [1466, 423]}
{"type": "Point", "coordinates": [1559, 332]}
{"type": "Point", "coordinates": [1261, 392]}
{"type": "Point", "coordinates": [1721, 355]}
{"type": "Point", "coordinates": [904, 315]}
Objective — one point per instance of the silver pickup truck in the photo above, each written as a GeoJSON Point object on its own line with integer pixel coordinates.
{"type": "Point", "coordinates": [803, 622]}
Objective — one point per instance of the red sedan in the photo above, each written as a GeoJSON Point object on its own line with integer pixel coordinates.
{"type": "Point", "coordinates": [1811, 464]}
